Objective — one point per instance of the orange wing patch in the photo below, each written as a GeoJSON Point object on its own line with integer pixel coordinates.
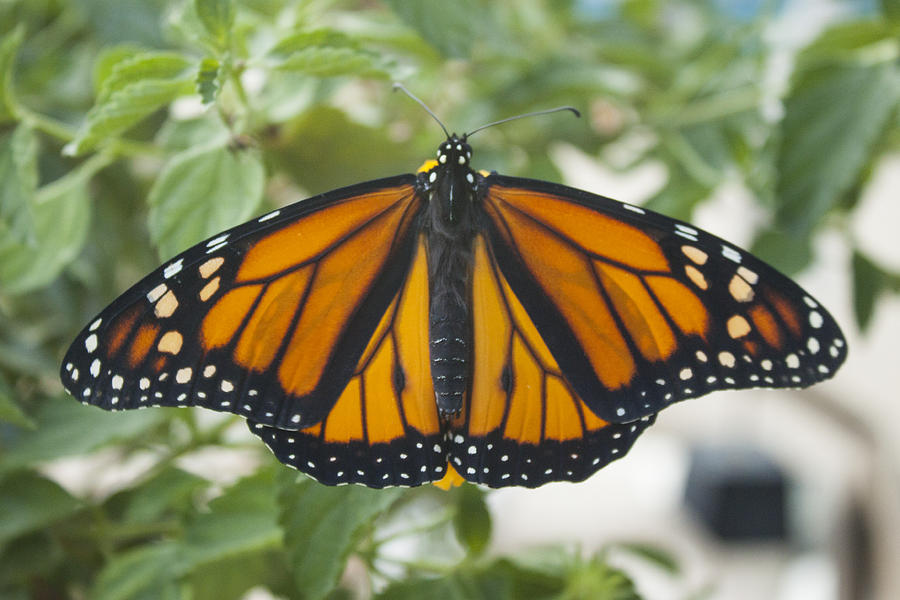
{"type": "Point", "coordinates": [384, 427]}
{"type": "Point", "coordinates": [608, 280]}
{"type": "Point", "coordinates": [522, 413]}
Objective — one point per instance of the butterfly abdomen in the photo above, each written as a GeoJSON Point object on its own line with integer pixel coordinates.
{"type": "Point", "coordinates": [450, 322]}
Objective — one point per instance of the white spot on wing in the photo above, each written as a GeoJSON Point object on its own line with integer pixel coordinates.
{"type": "Point", "coordinates": [731, 254]}
{"type": "Point", "coordinates": [173, 269]}
{"type": "Point", "coordinates": [271, 215]}
{"type": "Point", "coordinates": [815, 319]}
{"type": "Point", "coordinates": [217, 240]}
{"type": "Point", "coordinates": [634, 209]}
{"type": "Point", "coordinates": [95, 325]}
{"type": "Point", "coordinates": [90, 343]}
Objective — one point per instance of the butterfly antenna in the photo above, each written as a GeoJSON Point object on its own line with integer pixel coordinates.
{"type": "Point", "coordinates": [402, 88]}
{"type": "Point", "coordinates": [531, 114]}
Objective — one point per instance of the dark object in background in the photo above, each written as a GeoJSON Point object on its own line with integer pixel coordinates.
{"type": "Point", "coordinates": [738, 493]}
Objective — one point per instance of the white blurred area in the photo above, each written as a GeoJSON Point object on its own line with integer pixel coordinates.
{"type": "Point", "coordinates": [838, 443]}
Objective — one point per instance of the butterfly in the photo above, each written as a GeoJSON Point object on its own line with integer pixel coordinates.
{"type": "Point", "coordinates": [452, 322]}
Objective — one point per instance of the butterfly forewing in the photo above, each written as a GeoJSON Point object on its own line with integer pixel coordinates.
{"type": "Point", "coordinates": [640, 310]}
{"type": "Point", "coordinates": [267, 320]}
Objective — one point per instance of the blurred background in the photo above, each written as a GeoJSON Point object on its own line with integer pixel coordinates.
{"type": "Point", "coordinates": [130, 130]}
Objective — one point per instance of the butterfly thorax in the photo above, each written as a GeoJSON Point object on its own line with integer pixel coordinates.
{"type": "Point", "coordinates": [449, 226]}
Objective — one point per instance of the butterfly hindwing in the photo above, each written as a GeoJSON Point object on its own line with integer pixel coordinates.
{"type": "Point", "coordinates": [523, 424]}
{"type": "Point", "coordinates": [267, 320]}
{"type": "Point", "coordinates": [384, 428]}
{"type": "Point", "coordinates": [640, 310]}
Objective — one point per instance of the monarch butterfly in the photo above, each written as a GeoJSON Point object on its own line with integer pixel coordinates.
{"type": "Point", "coordinates": [392, 332]}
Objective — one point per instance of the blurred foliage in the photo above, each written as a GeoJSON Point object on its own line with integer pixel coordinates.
{"type": "Point", "coordinates": [142, 125]}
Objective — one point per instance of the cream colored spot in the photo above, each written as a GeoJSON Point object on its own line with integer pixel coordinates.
{"type": "Point", "coordinates": [117, 382]}
{"type": "Point", "coordinates": [157, 292]}
{"type": "Point", "coordinates": [170, 342]}
{"type": "Point", "coordinates": [740, 289]}
{"type": "Point", "coordinates": [209, 371]}
{"type": "Point", "coordinates": [766, 364]}
{"type": "Point", "coordinates": [749, 275]}
{"type": "Point", "coordinates": [144, 383]}
{"type": "Point", "coordinates": [166, 305]}
{"type": "Point", "coordinates": [685, 374]}
{"type": "Point", "coordinates": [701, 356]}
{"type": "Point", "coordinates": [210, 266]}
{"type": "Point", "coordinates": [738, 326]}
{"type": "Point", "coordinates": [792, 361]}
{"type": "Point", "coordinates": [183, 375]}
{"type": "Point", "coordinates": [695, 254]}
{"type": "Point", "coordinates": [726, 359]}
{"type": "Point", "coordinates": [209, 289]}
{"type": "Point", "coordinates": [696, 276]}
{"type": "Point", "coordinates": [227, 386]}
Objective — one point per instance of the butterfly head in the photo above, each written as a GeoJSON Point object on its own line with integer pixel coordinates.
{"type": "Point", "coordinates": [451, 182]}
{"type": "Point", "coordinates": [454, 152]}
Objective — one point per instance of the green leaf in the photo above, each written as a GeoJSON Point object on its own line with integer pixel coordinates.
{"type": "Point", "coordinates": [111, 58]}
{"type": "Point", "coordinates": [172, 490]}
{"type": "Point", "coordinates": [597, 579]}
{"type": "Point", "coordinates": [838, 105]}
{"type": "Point", "coordinates": [499, 580]}
{"type": "Point", "coordinates": [36, 554]}
{"type": "Point", "coordinates": [869, 281]}
{"type": "Point", "coordinates": [8, 50]}
{"type": "Point", "coordinates": [208, 80]}
{"type": "Point", "coordinates": [655, 555]}
{"type": "Point", "coordinates": [324, 53]}
{"type": "Point", "coordinates": [217, 17]}
{"type": "Point", "coordinates": [242, 520]}
{"type": "Point", "coordinates": [29, 502]}
{"type": "Point", "coordinates": [331, 62]}
{"type": "Point", "coordinates": [144, 573]}
{"type": "Point", "coordinates": [472, 521]}
{"type": "Point", "coordinates": [65, 427]}
{"type": "Point", "coordinates": [231, 577]}
{"type": "Point", "coordinates": [891, 9]}
{"type": "Point", "coordinates": [787, 253]}
{"type": "Point", "coordinates": [452, 28]}
{"type": "Point", "coordinates": [18, 183]}
{"type": "Point", "coordinates": [9, 410]}
{"type": "Point", "coordinates": [202, 191]}
{"type": "Point", "coordinates": [142, 67]}
{"type": "Point", "coordinates": [135, 88]}
{"type": "Point", "coordinates": [61, 218]}
{"type": "Point", "coordinates": [316, 38]}
{"type": "Point", "coordinates": [322, 526]}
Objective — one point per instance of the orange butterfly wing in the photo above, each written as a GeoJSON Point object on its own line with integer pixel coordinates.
{"type": "Point", "coordinates": [268, 320]}
{"type": "Point", "coordinates": [640, 310]}
{"type": "Point", "coordinates": [384, 429]}
{"type": "Point", "coordinates": [523, 424]}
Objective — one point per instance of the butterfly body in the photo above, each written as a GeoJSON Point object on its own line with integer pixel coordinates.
{"type": "Point", "coordinates": [450, 223]}
{"type": "Point", "coordinates": [514, 330]}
